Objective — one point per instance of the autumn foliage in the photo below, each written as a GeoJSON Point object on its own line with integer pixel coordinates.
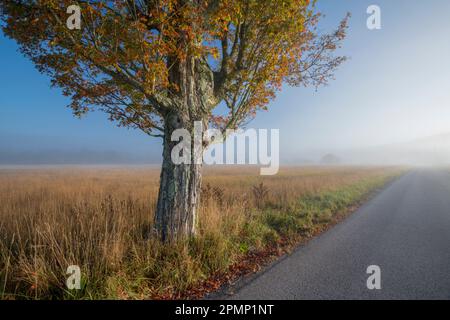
{"type": "Point", "coordinates": [123, 57]}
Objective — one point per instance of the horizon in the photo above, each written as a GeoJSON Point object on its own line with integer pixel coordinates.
{"type": "Point", "coordinates": [345, 156]}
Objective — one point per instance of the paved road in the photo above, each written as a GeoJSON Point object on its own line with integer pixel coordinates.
{"type": "Point", "coordinates": [405, 230]}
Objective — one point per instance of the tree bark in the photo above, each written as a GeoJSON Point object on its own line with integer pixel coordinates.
{"type": "Point", "coordinates": [180, 185]}
{"type": "Point", "coordinates": [179, 191]}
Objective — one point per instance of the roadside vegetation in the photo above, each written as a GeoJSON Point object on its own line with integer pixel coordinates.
{"type": "Point", "coordinates": [101, 220]}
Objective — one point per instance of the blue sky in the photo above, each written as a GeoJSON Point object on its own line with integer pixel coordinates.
{"type": "Point", "coordinates": [394, 88]}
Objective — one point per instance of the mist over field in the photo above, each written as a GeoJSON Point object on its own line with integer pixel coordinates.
{"type": "Point", "coordinates": [428, 151]}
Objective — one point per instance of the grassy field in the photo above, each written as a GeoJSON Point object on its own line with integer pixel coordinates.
{"type": "Point", "coordinates": [100, 219]}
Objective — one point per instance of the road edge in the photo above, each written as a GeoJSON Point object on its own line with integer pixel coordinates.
{"type": "Point", "coordinates": [227, 290]}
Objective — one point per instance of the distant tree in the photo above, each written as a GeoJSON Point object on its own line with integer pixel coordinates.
{"type": "Point", "coordinates": [159, 65]}
{"type": "Point", "coordinates": [330, 158]}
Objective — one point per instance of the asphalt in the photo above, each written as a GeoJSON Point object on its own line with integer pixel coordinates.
{"type": "Point", "coordinates": [405, 230]}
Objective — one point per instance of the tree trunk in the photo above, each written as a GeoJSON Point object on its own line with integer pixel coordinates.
{"type": "Point", "coordinates": [180, 185]}
{"type": "Point", "coordinates": [179, 192]}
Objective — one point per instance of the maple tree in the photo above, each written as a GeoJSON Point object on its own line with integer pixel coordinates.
{"type": "Point", "coordinates": [159, 65]}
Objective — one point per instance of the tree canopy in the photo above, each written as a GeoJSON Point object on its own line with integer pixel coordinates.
{"type": "Point", "coordinates": [125, 58]}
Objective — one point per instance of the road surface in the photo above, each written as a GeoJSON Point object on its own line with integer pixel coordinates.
{"type": "Point", "coordinates": [405, 230]}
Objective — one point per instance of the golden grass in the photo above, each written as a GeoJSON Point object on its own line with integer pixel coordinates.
{"type": "Point", "coordinates": [100, 219]}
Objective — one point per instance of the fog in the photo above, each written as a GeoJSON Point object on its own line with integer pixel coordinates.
{"type": "Point", "coordinates": [427, 151]}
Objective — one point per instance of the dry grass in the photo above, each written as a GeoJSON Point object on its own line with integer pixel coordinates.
{"type": "Point", "coordinates": [100, 218]}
